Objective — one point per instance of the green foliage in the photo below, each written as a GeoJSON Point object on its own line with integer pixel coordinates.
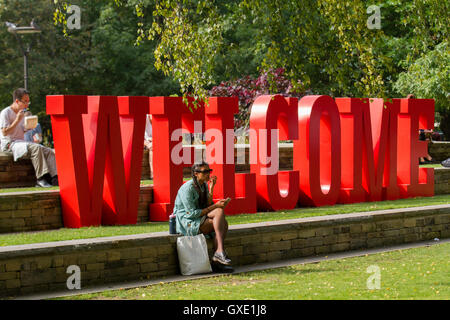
{"type": "Point", "coordinates": [100, 58]}
{"type": "Point", "coordinates": [57, 64]}
{"type": "Point", "coordinates": [187, 48]}
{"type": "Point", "coordinates": [125, 68]}
{"type": "Point", "coordinates": [201, 43]}
{"type": "Point", "coordinates": [429, 78]}
{"type": "Point", "coordinates": [326, 44]}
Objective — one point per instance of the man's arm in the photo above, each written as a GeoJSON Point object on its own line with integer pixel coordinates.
{"type": "Point", "coordinates": [6, 131]}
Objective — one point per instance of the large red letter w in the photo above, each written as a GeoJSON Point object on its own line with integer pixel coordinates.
{"type": "Point", "coordinates": [98, 146]}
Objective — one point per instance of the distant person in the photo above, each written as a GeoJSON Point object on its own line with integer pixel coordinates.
{"type": "Point", "coordinates": [446, 163]}
{"type": "Point", "coordinates": [148, 143]}
{"type": "Point", "coordinates": [33, 135]}
{"type": "Point", "coordinates": [424, 135]}
{"type": "Point", "coordinates": [13, 140]}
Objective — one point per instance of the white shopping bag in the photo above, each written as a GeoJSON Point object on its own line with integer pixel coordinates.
{"type": "Point", "coordinates": [193, 255]}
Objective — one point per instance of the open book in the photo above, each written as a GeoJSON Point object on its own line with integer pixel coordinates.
{"type": "Point", "coordinates": [31, 122]}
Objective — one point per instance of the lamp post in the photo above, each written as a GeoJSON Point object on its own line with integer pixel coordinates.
{"type": "Point", "coordinates": [18, 33]}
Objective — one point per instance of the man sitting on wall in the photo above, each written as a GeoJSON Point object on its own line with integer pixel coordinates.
{"type": "Point", "coordinates": [12, 139]}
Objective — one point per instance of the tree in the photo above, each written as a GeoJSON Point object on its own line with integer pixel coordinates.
{"type": "Point", "coordinates": [58, 65]}
{"type": "Point", "coordinates": [328, 44]}
{"type": "Point", "coordinates": [99, 58]}
{"type": "Point", "coordinates": [429, 78]}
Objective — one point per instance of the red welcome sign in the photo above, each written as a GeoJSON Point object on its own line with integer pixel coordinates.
{"type": "Point", "coordinates": [345, 150]}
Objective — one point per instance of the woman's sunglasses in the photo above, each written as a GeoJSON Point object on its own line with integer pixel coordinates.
{"type": "Point", "coordinates": [204, 171]}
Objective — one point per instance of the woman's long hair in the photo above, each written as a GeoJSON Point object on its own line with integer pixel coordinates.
{"type": "Point", "coordinates": [203, 199]}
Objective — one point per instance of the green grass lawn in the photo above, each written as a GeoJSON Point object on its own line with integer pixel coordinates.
{"type": "Point", "coordinates": [107, 231]}
{"type": "Point", "coordinates": [420, 273]}
{"type": "Point", "coordinates": [431, 165]}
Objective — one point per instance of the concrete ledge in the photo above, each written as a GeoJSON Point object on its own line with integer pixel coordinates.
{"type": "Point", "coordinates": [42, 267]}
{"type": "Point", "coordinates": [21, 173]}
{"type": "Point", "coordinates": [41, 210]}
{"type": "Point", "coordinates": [16, 174]}
{"type": "Point", "coordinates": [439, 150]}
{"type": "Point", "coordinates": [237, 270]}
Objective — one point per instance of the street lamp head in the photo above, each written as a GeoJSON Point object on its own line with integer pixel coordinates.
{"type": "Point", "coordinates": [19, 33]}
{"type": "Point", "coordinates": [34, 25]}
{"type": "Point", "coordinates": [33, 28]}
{"type": "Point", "coordinates": [10, 25]}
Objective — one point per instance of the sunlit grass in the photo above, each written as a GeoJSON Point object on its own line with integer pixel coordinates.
{"type": "Point", "coordinates": [420, 273]}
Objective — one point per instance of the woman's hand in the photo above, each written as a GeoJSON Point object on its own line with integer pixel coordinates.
{"type": "Point", "coordinates": [212, 183]}
{"type": "Point", "coordinates": [222, 203]}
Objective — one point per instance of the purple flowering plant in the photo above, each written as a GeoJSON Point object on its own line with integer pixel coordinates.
{"type": "Point", "coordinates": [247, 89]}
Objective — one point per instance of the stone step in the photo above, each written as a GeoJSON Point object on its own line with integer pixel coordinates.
{"type": "Point", "coordinates": [43, 267]}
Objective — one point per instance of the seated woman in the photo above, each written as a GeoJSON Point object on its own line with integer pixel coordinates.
{"type": "Point", "coordinates": [197, 213]}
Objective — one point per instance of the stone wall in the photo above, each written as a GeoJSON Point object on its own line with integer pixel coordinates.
{"type": "Point", "coordinates": [439, 150]}
{"type": "Point", "coordinates": [33, 211]}
{"type": "Point", "coordinates": [21, 173]}
{"type": "Point", "coordinates": [441, 180]}
{"type": "Point", "coordinates": [286, 159]}
{"type": "Point", "coordinates": [41, 210]}
{"type": "Point", "coordinates": [30, 211]}
{"type": "Point", "coordinates": [16, 174]}
{"type": "Point", "coordinates": [43, 267]}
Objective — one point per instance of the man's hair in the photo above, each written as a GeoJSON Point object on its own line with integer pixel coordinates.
{"type": "Point", "coordinates": [19, 93]}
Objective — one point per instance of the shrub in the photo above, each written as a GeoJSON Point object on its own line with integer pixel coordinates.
{"type": "Point", "coordinates": [247, 89]}
{"type": "Point", "coordinates": [429, 78]}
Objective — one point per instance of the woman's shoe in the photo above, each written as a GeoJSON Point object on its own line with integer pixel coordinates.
{"type": "Point", "coordinates": [222, 258]}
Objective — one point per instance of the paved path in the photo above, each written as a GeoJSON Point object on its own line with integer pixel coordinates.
{"type": "Point", "coordinates": [242, 269]}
